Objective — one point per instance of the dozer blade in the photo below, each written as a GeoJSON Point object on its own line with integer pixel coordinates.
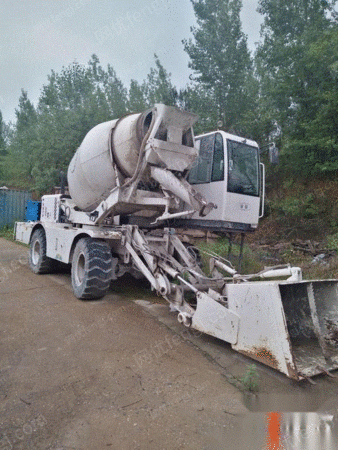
{"type": "Point", "coordinates": [290, 326]}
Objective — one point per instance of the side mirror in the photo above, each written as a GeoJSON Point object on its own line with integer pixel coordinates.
{"type": "Point", "coordinates": [273, 154]}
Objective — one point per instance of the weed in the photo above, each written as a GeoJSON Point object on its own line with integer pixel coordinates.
{"type": "Point", "coordinates": [332, 241]}
{"type": "Point", "coordinates": [7, 232]}
{"type": "Point", "coordinates": [322, 270]}
{"type": "Point", "coordinates": [250, 380]}
{"type": "Point", "coordinates": [250, 262]}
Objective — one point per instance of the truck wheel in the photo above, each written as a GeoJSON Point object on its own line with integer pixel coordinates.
{"type": "Point", "coordinates": [91, 269]}
{"type": "Point", "coordinates": [38, 261]}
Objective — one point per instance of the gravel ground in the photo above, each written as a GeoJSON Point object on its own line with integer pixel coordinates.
{"type": "Point", "coordinates": [123, 374]}
{"type": "Point", "coordinates": [103, 374]}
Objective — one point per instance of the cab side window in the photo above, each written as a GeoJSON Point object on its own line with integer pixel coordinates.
{"type": "Point", "coordinates": [210, 163]}
{"type": "Point", "coordinates": [218, 162]}
{"type": "Point", "coordinates": [243, 169]}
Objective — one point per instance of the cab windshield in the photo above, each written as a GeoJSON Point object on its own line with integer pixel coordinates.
{"type": "Point", "coordinates": [243, 169]}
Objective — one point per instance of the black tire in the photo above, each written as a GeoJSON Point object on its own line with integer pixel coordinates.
{"type": "Point", "coordinates": [91, 269]}
{"type": "Point", "coordinates": [38, 261]}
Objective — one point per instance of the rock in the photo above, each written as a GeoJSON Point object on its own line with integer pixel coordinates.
{"type": "Point", "coordinates": [319, 259]}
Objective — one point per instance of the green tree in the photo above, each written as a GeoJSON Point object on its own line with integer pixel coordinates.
{"type": "Point", "coordinates": [26, 116]}
{"type": "Point", "coordinates": [315, 139]}
{"type": "Point", "coordinates": [17, 163]}
{"type": "Point", "coordinates": [116, 94]}
{"type": "Point", "coordinates": [158, 87]}
{"type": "Point", "coordinates": [72, 102]}
{"type": "Point", "coordinates": [196, 98]}
{"type": "Point", "coordinates": [2, 136]}
{"type": "Point", "coordinates": [221, 62]}
{"type": "Point", "coordinates": [2, 148]}
{"type": "Point", "coordinates": [43, 140]}
{"type": "Point", "coordinates": [288, 78]}
{"type": "Point", "coordinates": [137, 97]}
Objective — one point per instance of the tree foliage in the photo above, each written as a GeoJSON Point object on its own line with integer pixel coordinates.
{"type": "Point", "coordinates": [137, 97]}
{"type": "Point", "coordinates": [158, 86]}
{"type": "Point", "coordinates": [2, 145]}
{"type": "Point", "coordinates": [297, 83]}
{"type": "Point", "coordinates": [71, 103]}
{"type": "Point", "coordinates": [221, 62]}
{"type": "Point", "coordinates": [2, 136]}
{"type": "Point", "coordinates": [287, 92]}
{"type": "Point", "coordinates": [17, 163]}
{"type": "Point", "coordinates": [314, 140]}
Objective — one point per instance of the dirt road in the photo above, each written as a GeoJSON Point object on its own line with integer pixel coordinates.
{"type": "Point", "coordinates": [123, 374]}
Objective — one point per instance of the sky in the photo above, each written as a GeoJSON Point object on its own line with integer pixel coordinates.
{"type": "Point", "coordinates": [38, 36]}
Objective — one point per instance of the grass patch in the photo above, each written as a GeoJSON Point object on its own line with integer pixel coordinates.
{"type": "Point", "coordinates": [312, 268]}
{"type": "Point", "coordinates": [332, 242]}
{"type": "Point", "coordinates": [250, 380]}
{"type": "Point", "coordinates": [7, 232]}
{"type": "Point", "coordinates": [250, 261]}
{"type": "Point", "coordinates": [256, 257]}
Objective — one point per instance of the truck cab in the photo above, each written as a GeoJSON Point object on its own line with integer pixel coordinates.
{"type": "Point", "coordinates": [228, 172]}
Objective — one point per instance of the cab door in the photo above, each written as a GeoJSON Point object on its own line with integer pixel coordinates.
{"type": "Point", "coordinates": [227, 174]}
{"type": "Point", "coordinates": [242, 199]}
{"type": "Point", "coordinates": [208, 172]}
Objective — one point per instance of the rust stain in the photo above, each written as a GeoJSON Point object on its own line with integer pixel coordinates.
{"type": "Point", "coordinates": [267, 357]}
{"type": "Point", "coordinates": [262, 355]}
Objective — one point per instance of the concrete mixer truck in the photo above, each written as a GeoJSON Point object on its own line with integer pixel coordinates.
{"type": "Point", "coordinates": [133, 181]}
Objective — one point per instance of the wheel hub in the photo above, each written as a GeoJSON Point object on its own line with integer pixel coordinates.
{"type": "Point", "coordinates": [80, 269]}
{"type": "Point", "coordinates": [36, 252]}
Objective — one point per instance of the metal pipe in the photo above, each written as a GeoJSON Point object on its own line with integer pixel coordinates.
{"type": "Point", "coordinates": [184, 318]}
{"type": "Point", "coordinates": [187, 284]}
{"type": "Point", "coordinates": [223, 266]}
{"type": "Point", "coordinates": [288, 271]}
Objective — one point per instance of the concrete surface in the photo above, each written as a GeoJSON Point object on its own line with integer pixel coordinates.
{"type": "Point", "coordinates": [123, 374]}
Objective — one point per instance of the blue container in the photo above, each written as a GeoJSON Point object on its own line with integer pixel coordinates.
{"type": "Point", "coordinates": [12, 206]}
{"type": "Point", "coordinates": [33, 210]}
